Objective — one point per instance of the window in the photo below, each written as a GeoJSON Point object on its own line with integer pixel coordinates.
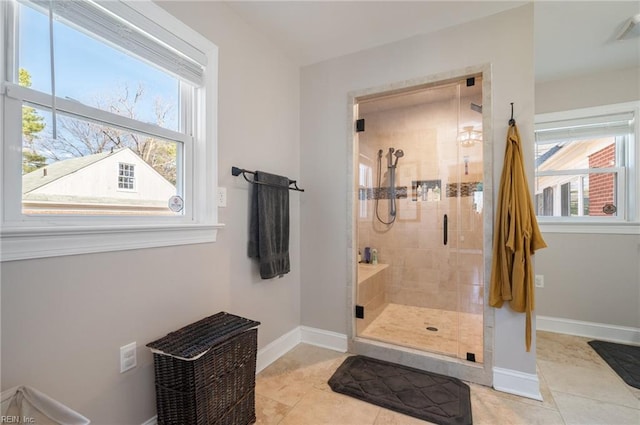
{"type": "Point", "coordinates": [365, 186]}
{"type": "Point", "coordinates": [126, 176]}
{"type": "Point", "coordinates": [585, 166]}
{"type": "Point", "coordinates": [103, 107]}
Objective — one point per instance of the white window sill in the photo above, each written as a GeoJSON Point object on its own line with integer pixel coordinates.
{"type": "Point", "coordinates": [595, 228]}
{"type": "Point", "coordinates": [24, 244]}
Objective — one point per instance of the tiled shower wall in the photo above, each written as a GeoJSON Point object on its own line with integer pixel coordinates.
{"type": "Point", "coordinates": [423, 271]}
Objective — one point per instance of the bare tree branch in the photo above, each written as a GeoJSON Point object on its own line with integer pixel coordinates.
{"type": "Point", "coordinates": [80, 138]}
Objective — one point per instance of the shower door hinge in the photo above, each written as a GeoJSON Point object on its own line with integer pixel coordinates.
{"type": "Point", "coordinates": [359, 312]}
{"type": "Point", "coordinates": [360, 125]}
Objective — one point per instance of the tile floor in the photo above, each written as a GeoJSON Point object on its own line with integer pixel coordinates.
{"type": "Point", "coordinates": [457, 333]}
{"type": "Point", "coordinates": [578, 388]}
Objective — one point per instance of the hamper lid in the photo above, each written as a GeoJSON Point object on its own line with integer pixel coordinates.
{"type": "Point", "coordinates": [193, 341]}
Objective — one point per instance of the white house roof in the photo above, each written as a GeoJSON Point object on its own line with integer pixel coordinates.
{"type": "Point", "coordinates": [35, 179]}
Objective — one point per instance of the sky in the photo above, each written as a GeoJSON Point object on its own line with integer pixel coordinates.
{"type": "Point", "coordinates": [85, 69]}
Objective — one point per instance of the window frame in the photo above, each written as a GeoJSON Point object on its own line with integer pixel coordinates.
{"type": "Point", "coordinates": [628, 176]}
{"type": "Point", "coordinates": [26, 237]}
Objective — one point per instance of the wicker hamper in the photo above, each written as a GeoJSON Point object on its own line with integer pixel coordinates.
{"type": "Point", "coordinates": [205, 372]}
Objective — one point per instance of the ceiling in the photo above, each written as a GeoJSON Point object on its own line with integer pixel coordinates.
{"type": "Point", "coordinates": [312, 31]}
{"type": "Point", "coordinates": [579, 37]}
{"type": "Point", "coordinates": [571, 37]}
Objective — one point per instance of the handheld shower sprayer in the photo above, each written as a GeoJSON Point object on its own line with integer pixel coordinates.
{"type": "Point", "coordinates": [391, 166]}
{"type": "Point", "coordinates": [398, 154]}
{"type": "Point", "coordinates": [392, 152]}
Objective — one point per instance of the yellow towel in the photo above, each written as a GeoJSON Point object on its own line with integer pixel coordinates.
{"type": "Point", "coordinates": [516, 237]}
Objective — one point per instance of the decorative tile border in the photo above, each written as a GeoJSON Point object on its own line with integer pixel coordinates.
{"type": "Point", "coordinates": [453, 190]}
{"type": "Point", "coordinates": [463, 189]}
{"type": "Point", "coordinates": [368, 193]}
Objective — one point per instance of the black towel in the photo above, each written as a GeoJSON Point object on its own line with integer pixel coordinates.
{"type": "Point", "coordinates": [269, 227]}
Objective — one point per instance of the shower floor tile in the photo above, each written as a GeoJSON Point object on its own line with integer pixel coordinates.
{"type": "Point", "coordinates": [457, 333]}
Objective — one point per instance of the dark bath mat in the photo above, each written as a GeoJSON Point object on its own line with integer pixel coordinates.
{"type": "Point", "coordinates": [424, 395]}
{"type": "Point", "coordinates": [623, 359]}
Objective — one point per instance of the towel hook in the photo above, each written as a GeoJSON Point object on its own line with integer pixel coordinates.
{"type": "Point", "coordinates": [512, 121]}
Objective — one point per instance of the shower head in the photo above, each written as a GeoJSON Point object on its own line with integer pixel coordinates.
{"type": "Point", "coordinates": [398, 154]}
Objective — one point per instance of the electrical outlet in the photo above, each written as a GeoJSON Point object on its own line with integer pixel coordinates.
{"type": "Point", "coordinates": [128, 357]}
{"type": "Point", "coordinates": [539, 281]}
{"type": "Point", "coordinates": [222, 196]}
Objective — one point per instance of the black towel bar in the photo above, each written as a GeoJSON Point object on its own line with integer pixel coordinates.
{"type": "Point", "coordinates": [237, 171]}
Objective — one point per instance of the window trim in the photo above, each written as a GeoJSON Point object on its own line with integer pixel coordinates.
{"type": "Point", "coordinates": [50, 237]}
{"type": "Point", "coordinates": [629, 223]}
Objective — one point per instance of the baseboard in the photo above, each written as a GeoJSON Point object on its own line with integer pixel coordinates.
{"type": "Point", "coordinates": [152, 421]}
{"type": "Point", "coordinates": [325, 339]}
{"type": "Point", "coordinates": [276, 349]}
{"type": "Point", "coordinates": [622, 334]}
{"type": "Point", "coordinates": [318, 337]}
{"type": "Point", "coordinates": [518, 383]}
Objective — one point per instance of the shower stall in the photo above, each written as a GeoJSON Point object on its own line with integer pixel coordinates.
{"type": "Point", "coordinates": [421, 220]}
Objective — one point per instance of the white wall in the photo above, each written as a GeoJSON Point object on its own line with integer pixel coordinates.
{"type": "Point", "coordinates": [64, 318]}
{"type": "Point", "coordinates": [594, 89]}
{"type": "Point", "coordinates": [504, 40]}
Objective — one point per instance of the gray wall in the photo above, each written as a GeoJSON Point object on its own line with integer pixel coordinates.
{"type": "Point", "coordinates": [590, 277]}
{"type": "Point", "coordinates": [64, 319]}
{"type": "Point", "coordinates": [504, 40]}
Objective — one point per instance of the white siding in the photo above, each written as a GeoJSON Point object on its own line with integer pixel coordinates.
{"type": "Point", "coordinates": [100, 180]}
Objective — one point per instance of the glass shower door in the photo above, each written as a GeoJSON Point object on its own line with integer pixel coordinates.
{"type": "Point", "coordinates": [470, 224]}
{"type": "Point", "coordinates": [414, 296]}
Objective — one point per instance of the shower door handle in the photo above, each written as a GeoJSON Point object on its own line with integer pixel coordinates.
{"type": "Point", "coordinates": [445, 229]}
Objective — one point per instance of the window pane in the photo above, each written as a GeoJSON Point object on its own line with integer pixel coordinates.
{"type": "Point", "coordinates": [602, 195]}
{"type": "Point", "coordinates": [34, 59]}
{"type": "Point", "coordinates": [577, 154]}
{"type": "Point", "coordinates": [126, 179]}
{"type": "Point", "coordinates": [592, 194]}
{"type": "Point", "coordinates": [94, 169]}
{"type": "Point", "coordinates": [91, 72]}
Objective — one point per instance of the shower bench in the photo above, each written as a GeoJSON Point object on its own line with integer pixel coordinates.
{"type": "Point", "coordinates": [372, 280]}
